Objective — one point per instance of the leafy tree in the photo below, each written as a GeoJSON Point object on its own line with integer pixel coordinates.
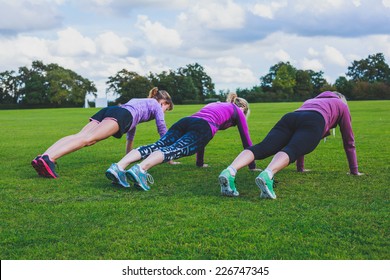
{"type": "Point", "coordinates": [223, 93]}
{"type": "Point", "coordinates": [304, 87]}
{"type": "Point", "coordinates": [318, 81]}
{"type": "Point", "coordinates": [34, 86]}
{"type": "Point", "coordinates": [379, 91]}
{"type": "Point", "coordinates": [284, 81]}
{"type": "Point", "coordinates": [255, 94]}
{"type": "Point", "coordinates": [127, 85]}
{"type": "Point", "coordinates": [181, 88]}
{"type": "Point", "coordinates": [372, 69]}
{"type": "Point", "coordinates": [166, 81]}
{"type": "Point", "coordinates": [365, 91]}
{"type": "Point", "coordinates": [344, 86]}
{"type": "Point", "coordinates": [186, 89]}
{"type": "Point", "coordinates": [9, 92]}
{"type": "Point", "coordinates": [369, 78]}
{"type": "Point", "coordinates": [268, 80]}
{"type": "Point", "coordinates": [200, 79]}
{"type": "Point", "coordinates": [185, 85]}
{"type": "Point", "coordinates": [53, 85]}
{"type": "Point", "coordinates": [66, 87]}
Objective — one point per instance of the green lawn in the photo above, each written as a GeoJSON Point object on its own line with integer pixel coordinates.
{"type": "Point", "coordinates": [324, 214]}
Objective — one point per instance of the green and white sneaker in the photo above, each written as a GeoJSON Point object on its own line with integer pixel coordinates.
{"type": "Point", "coordinates": [117, 176]}
{"type": "Point", "coordinates": [139, 178]}
{"type": "Point", "coordinates": [266, 185]}
{"type": "Point", "coordinates": [227, 183]}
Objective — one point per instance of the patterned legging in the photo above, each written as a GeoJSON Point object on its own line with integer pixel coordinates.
{"type": "Point", "coordinates": [184, 138]}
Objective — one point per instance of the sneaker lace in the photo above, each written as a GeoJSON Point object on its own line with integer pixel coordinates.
{"type": "Point", "coordinates": [149, 178]}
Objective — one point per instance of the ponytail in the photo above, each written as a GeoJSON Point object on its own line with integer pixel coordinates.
{"type": "Point", "coordinates": [161, 94]}
{"type": "Point", "coordinates": [231, 97]}
{"type": "Point", "coordinates": [153, 92]}
{"type": "Point", "coordinates": [240, 102]}
{"type": "Point", "coordinates": [341, 96]}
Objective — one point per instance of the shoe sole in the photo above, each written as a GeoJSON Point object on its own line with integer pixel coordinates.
{"type": "Point", "coordinates": [37, 168]}
{"type": "Point", "coordinates": [115, 179]}
{"type": "Point", "coordinates": [225, 189]}
{"type": "Point", "coordinates": [265, 193]}
{"type": "Point", "coordinates": [43, 169]}
{"type": "Point", "coordinates": [134, 178]}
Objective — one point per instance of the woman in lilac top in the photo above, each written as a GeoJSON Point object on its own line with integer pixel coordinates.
{"type": "Point", "coordinates": [295, 135]}
{"type": "Point", "coordinates": [186, 137]}
{"type": "Point", "coordinates": [109, 121]}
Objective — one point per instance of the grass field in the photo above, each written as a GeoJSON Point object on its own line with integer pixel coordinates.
{"type": "Point", "coordinates": [323, 214]}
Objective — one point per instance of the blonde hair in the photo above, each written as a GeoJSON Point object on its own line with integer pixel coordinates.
{"type": "Point", "coordinates": [341, 96]}
{"type": "Point", "coordinates": [240, 102]}
{"type": "Point", "coordinates": [161, 94]}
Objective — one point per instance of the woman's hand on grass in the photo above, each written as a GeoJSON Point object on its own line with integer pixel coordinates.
{"type": "Point", "coordinates": [173, 162]}
{"type": "Point", "coordinates": [357, 174]}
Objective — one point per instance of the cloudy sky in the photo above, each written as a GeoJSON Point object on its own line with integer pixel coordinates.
{"type": "Point", "coordinates": [236, 41]}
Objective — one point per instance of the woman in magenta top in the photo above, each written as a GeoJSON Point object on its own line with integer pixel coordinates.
{"type": "Point", "coordinates": [186, 137]}
{"type": "Point", "coordinates": [221, 116]}
{"type": "Point", "coordinates": [295, 135]}
{"type": "Point", "coordinates": [109, 121]}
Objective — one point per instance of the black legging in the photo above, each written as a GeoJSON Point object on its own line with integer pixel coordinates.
{"type": "Point", "coordinates": [297, 134]}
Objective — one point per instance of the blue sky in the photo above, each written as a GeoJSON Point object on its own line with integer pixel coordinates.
{"type": "Point", "coordinates": [235, 41]}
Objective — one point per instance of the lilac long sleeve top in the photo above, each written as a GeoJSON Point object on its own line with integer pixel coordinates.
{"type": "Point", "coordinates": [335, 112]}
{"type": "Point", "coordinates": [221, 116]}
{"type": "Point", "coordinates": [144, 110]}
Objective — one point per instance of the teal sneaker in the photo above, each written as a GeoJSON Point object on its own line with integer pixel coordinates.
{"type": "Point", "coordinates": [117, 176]}
{"type": "Point", "coordinates": [139, 178]}
{"type": "Point", "coordinates": [266, 185]}
{"type": "Point", "coordinates": [227, 183]}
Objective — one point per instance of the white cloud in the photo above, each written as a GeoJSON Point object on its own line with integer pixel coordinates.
{"type": "Point", "coordinates": [267, 10]}
{"type": "Point", "coordinates": [336, 3]}
{"type": "Point", "coordinates": [218, 15]}
{"type": "Point", "coordinates": [263, 10]}
{"type": "Point", "coordinates": [335, 56]}
{"type": "Point", "coordinates": [312, 52]}
{"type": "Point", "coordinates": [17, 16]}
{"type": "Point", "coordinates": [21, 50]}
{"type": "Point", "coordinates": [357, 3]}
{"type": "Point", "coordinates": [102, 2]}
{"type": "Point", "coordinates": [236, 75]}
{"type": "Point", "coordinates": [72, 43]}
{"type": "Point", "coordinates": [282, 55]}
{"type": "Point", "coordinates": [229, 72]}
{"type": "Point", "coordinates": [231, 61]}
{"type": "Point", "coordinates": [386, 3]}
{"type": "Point", "coordinates": [231, 75]}
{"type": "Point", "coordinates": [312, 64]}
{"type": "Point", "coordinates": [316, 7]}
{"type": "Point", "coordinates": [126, 5]}
{"type": "Point", "coordinates": [112, 44]}
{"type": "Point", "coordinates": [159, 35]}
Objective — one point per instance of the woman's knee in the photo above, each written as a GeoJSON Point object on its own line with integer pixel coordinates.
{"type": "Point", "coordinates": [90, 142]}
{"type": "Point", "coordinates": [293, 154]}
{"type": "Point", "coordinates": [86, 140]}
{"type": "Point", "coordinates": [260, 151]}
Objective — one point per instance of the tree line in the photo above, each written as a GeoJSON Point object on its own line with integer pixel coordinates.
{"type": "Point", "coordinates": [44, 86]}
{"type": "Point", "coordinates": [366, 79]}
{"type": "Point", "coordinates": [51, 85]}
{"type": "Point", "coordinates": [186, 85]}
